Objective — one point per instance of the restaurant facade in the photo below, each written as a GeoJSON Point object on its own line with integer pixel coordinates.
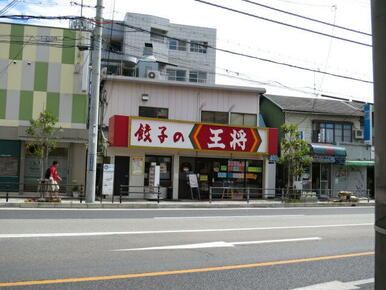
{"type": "Point", "coordinates": [222, 152]}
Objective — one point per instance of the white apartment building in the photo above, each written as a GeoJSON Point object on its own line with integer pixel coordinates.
{"type": "Point", "coordinates": [152, 47]}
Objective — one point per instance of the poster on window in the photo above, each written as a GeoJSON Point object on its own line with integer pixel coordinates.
{"type": "Point", "coordinates": [108, 179]}
{"type": "Point", "coordinates": [193, 182]}
{"type": "Point", "coordinates": [137, 165]}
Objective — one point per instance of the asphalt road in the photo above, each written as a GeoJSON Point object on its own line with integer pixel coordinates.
{"type": "Point", "coordinates": [187, 248]}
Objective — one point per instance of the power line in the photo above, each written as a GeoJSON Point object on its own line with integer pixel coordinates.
{"type": "Point", "coordinates": [252, 56]}
{"type": "Point", "coordinates": [10, 5]}
{"type": "Point", "coordinates": [307, 18]}
{"type": "Point", "coordinates": [239, 76]}
{"type": "Point", "coordinates": [73, 3]}
{"type": "Point", "coordinates": [139, 29]}
{"type": "Point", "coordinates": [283, 23]}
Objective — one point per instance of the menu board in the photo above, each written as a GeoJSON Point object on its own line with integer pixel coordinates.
{"type": "Point", "coordinates": [193, 182]}
{"type": "Point", "coordinates": [108, 179]}
{"type": "Point", "coordinates": [137, 165]}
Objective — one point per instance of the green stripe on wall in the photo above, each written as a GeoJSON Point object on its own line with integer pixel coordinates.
{"type": "Point", "coordinates": [79, 108]}
{"type": "Point", "coordinates": [68, 51]}
{"type": "Point", "coordinates": [17, 39]}
{"type": "Point", "coordinates": [41, 76]}
{"type": "Point", "coordinates": [3, 102]}
{"type": "Point", "coordinates": [26, 104]}
{"type": "Point", "coordinates": [53, 104]}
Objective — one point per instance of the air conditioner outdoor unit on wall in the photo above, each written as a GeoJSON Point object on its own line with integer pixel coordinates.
{"type": "Point", "coordinates": [358, 134]}
{"type": "Point", "coordinates": [151, 74]}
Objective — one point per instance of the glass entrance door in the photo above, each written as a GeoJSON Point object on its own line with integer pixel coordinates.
{"type": "Point", "coordinates": [321, 178]}
{"type": "Point", "coordinates": [325, 180]}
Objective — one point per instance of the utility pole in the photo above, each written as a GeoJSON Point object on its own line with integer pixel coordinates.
{"type": "Point", "coordinates": [378, 19]}
{"type": "Point", "coordinates": [94, 105]}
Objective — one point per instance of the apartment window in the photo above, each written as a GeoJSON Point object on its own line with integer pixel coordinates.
{"type": "Point", "coordinates": [197, 77]}
{"type": "Point", "coordinates": [176, 75]}
{"type": "Point", "coordinates": [175, 44]}
{"type": "Point", "coordinates": [157, 35]}
{"type": "Point", "coordinates": [214, 117]}
{"type": "Point", "coordinates": [153, 112]}
{"type": "Point", "coordinates": [198, 46]}
{"type": "Point", "coordinates": [331, 132]}
{"type": "Point", "coordinates": [240, 119]}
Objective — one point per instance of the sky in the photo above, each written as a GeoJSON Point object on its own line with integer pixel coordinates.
{"type": "Point", "coordinates": [260, 38]}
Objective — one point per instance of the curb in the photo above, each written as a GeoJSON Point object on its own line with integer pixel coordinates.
{"type": "Point", "coordinates": [176, 205]}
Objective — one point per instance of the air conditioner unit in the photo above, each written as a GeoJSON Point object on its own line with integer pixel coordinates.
{"type": "Point", "coordinates": [358, 134]}
{"type": "Point", "coordinates": [151, 74]}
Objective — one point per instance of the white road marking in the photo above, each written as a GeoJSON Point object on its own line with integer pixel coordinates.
{"type": "Point", "coordinates": [87, 234]}
{"type": "Point", "coordinates": [226, 216]}
{"type": "Point", "coordinates": [219, 244]}
{"type": "Point", "coordinates": [188, 209]}
{"type": "Point", "coordinates": [337, 285]}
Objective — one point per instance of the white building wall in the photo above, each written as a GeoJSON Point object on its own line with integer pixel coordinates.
{"type": "Point", "coordinates": [304, 122]}
{"type": "Point", "coordinates": [133, 43]}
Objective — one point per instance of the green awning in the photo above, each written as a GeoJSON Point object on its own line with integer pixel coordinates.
{"type": "Point", "coordinates": [359, 163]}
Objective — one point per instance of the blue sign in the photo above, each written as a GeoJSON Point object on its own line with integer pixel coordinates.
{"type": "Point", "coordinates": [368, 123]}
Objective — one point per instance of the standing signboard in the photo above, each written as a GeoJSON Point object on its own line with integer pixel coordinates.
{"type": "Point", "coordinates": [193, 183]}
{"type": "Point", "coordinates": [368, 123]}
{"type": "Point", "coordinates": [154, 181]}
{"type": "Point", "coordinates": [108, 179]}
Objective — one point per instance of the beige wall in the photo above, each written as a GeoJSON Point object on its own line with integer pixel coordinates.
{"type": "Point", "coordinates": [184, 103]}
{"type": "Point", "coordinates": [77, 162]}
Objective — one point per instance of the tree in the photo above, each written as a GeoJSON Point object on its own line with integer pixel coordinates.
{"type": "Point", "coordinates": [44, 133]}
{"type": "Point", "coordinates": [294, 153]}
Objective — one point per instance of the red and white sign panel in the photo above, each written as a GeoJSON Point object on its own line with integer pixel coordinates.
{"type": "Point", "coordinates": [156, 133]}
{"type": "Point", "coordinates": [160, 134]}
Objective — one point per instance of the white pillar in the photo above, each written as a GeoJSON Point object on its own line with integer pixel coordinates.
{"type": "Point", "coordinates": [269, 178]}
{"type": "Point", "coordinates": [176, 169]}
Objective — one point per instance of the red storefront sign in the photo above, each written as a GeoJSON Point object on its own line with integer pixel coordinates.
{"type": "Point", "coordinates": [169, 134]}
{"type": "Point", "coordinates": [225, 138]}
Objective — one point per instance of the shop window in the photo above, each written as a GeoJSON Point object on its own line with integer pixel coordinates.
{"type": "Point", "coordinates": [331, 132]}
{"type": "Point", "coordinates": [8, 166]}
{"type": "Point", "coordinates": [165, 163]}
{"type": "Point", "coordinates": [176, 44]}
{"type": "Point", "coordinates": [197, 77]}
{"type": "Point", "coordinates": [32, 167]}
{"type": "Point", "coordinates": [229, 173]}
{"type": "Point", "coordinates": [198, 46]}
{"type": "Point", "coordinates": [240, 119]}
{"type": "Point", "coordinates": [176, 75]}
{"type": "Point", "coordinates": [153, 112]}
{"type": "Point", "coordinates": [214, 117]}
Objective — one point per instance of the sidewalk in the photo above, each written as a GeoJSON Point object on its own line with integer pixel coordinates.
{"type": "Point", "coordinates": [144, 204]}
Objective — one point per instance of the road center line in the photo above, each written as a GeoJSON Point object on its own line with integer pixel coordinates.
{"type": "Point", "coordinates": [186, 271]}
{"type": "Point", "coordinates": [53, 235]}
